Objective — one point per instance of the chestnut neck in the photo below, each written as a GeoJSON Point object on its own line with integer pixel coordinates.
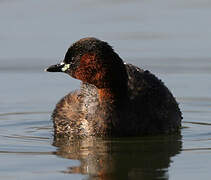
{"type": "Point", "coordinates": [114, 86]}
{"type": "Point", "coordinates": [115, 95]}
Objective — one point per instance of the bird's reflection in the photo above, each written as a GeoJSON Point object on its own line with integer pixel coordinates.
{"type": "Point", "coordinates": [128, 158]}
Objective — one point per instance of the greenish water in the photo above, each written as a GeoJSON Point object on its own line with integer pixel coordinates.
{"type": "Point", "coordinates": [171, 39]}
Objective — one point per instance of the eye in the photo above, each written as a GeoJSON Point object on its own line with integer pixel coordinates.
{"type": "Point", "coordinates": [68, 60]}
{"type": "Point", "coordinates": [71, 61]}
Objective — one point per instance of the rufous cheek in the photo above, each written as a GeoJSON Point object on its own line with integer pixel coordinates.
{"type": "Point", "coordinates": [79, 75]}
{"type": "Point", "coordinates": [85, 70]}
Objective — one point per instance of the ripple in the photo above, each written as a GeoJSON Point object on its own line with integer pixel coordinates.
{"type": "Point", "coordinates": [27, 137]}
{"type": "Point", "coordinates": [198, 149]}
{"type": "Point", "coordinates": [199, 123]}
{"type": "Point", "coordinates": [32, 129]}
{"type": "Point", "coordinates": [27, 153]}
{"type": "Point", "coordinates": [22, 113]}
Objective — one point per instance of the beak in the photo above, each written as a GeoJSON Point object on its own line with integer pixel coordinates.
{"type": "Point", "coordinates": [56, 68]}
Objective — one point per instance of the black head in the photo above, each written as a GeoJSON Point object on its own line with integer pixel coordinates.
{"type": "Point", "coordinates": [93, 61]}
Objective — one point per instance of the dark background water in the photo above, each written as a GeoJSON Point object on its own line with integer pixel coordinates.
{"type": "Point", "coordinates": [171, 39]}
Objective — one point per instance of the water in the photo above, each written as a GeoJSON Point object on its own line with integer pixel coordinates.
{"type": "Point", "coordinates": [171, 39]}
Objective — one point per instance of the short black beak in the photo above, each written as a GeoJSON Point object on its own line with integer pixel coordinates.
{"type": "Point", "coordinates": [55, 68]}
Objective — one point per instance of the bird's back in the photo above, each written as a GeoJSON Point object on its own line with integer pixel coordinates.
{"type": "Point", "coordinates": [154, 105]}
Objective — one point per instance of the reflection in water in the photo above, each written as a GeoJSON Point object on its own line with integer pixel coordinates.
{"type": "Point", "coordinates": [132, 158]}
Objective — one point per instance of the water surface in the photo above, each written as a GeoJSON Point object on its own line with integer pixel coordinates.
{"type": "Point", "coordinates": [171, 39]}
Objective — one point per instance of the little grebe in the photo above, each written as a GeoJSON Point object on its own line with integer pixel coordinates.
{"type": "Point", "coordinates": [115, 99]}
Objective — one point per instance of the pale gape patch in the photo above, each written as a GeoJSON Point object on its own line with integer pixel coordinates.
{"type": "Point", "coordinates": [66, 66]}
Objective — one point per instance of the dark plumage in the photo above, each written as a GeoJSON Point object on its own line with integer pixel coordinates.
{"type": "Point", "coordinates": [115, 99]}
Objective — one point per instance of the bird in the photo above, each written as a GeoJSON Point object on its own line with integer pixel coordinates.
{"type": "Point", "coordinates": [115, 99]}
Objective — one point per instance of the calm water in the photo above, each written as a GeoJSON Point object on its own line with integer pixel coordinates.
{"type": "Point", "coordinates": [171, 39]}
